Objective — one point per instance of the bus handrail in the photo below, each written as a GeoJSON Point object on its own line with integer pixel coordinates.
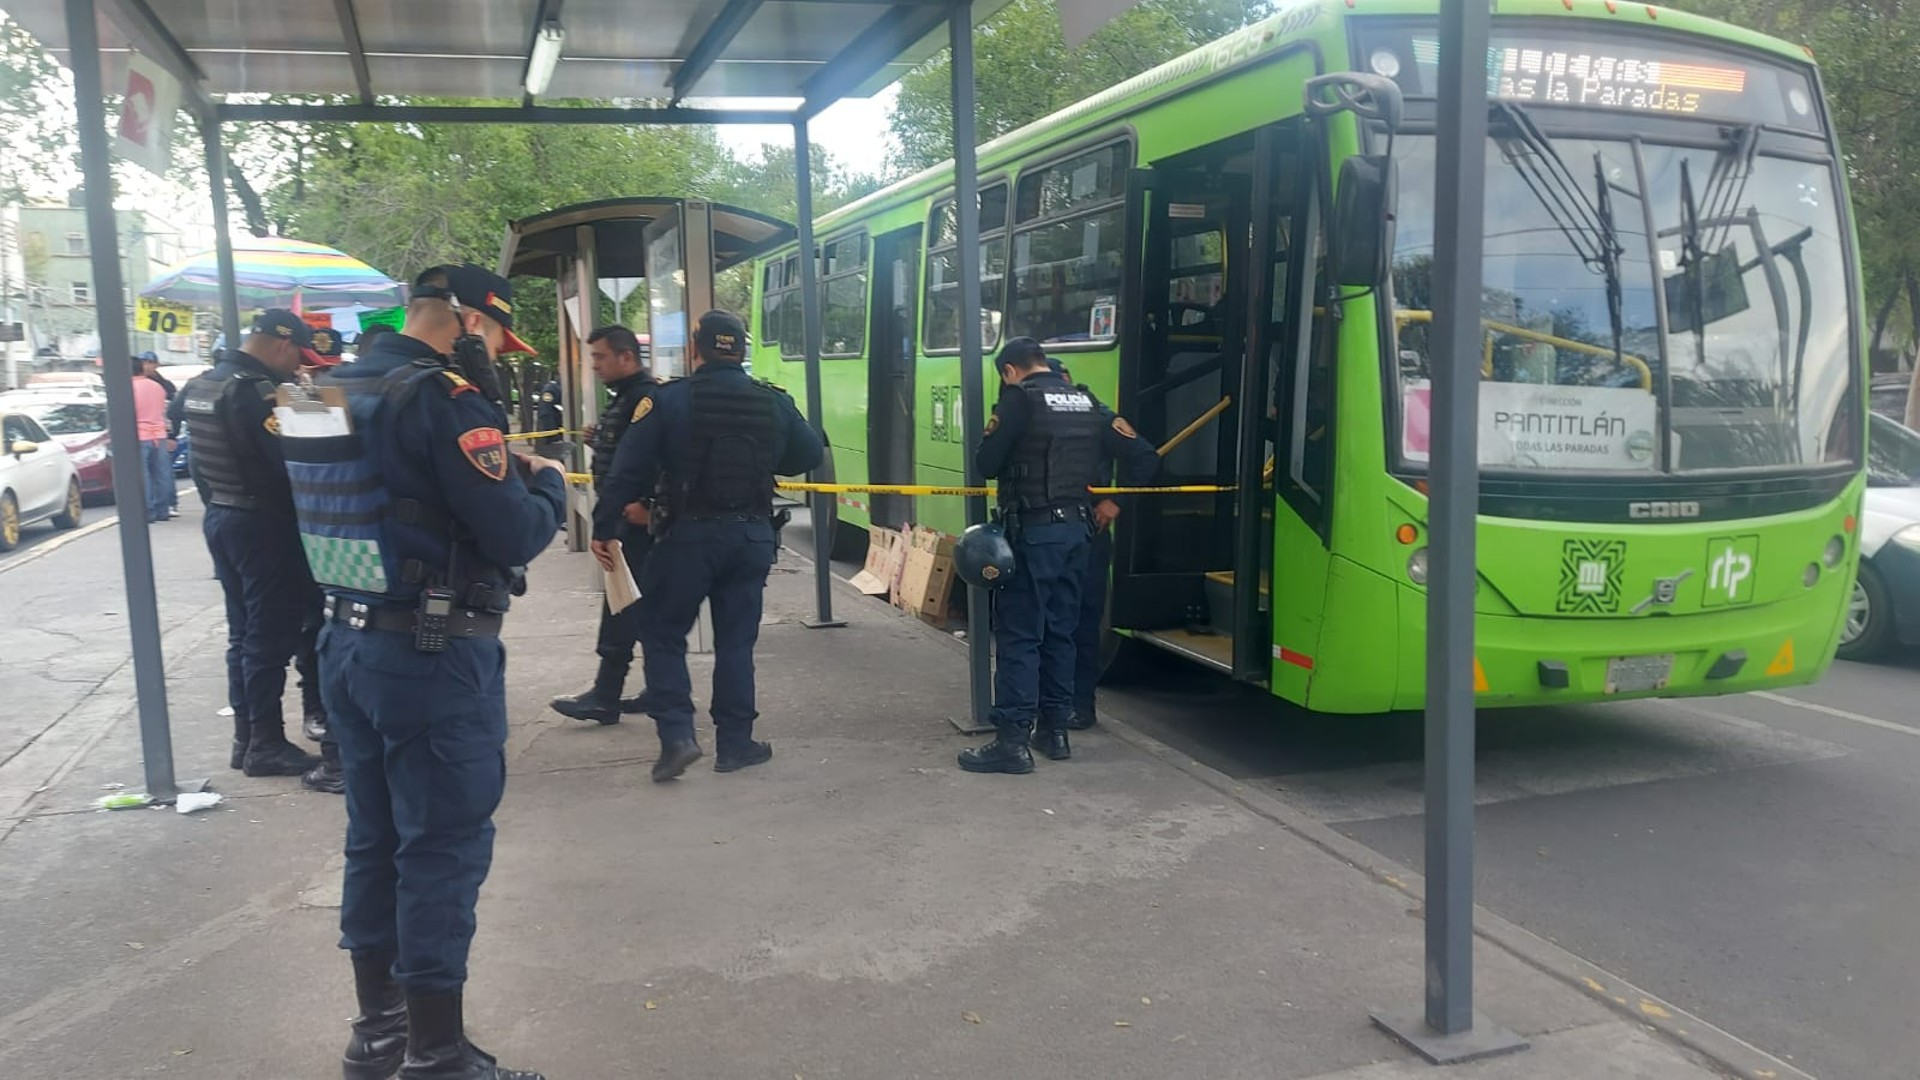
{"type": "Point", "coordinates": [1403, 316]}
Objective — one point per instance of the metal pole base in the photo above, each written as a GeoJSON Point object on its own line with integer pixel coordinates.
{"type": "Point", "coordinates": [1484, 1039]}
{"type": "Point", "coordinates": [181, 787]}
{"type": "Point", "coordinates": [967, 725]}
{"type": "Point", "coordinates": [823, 624]}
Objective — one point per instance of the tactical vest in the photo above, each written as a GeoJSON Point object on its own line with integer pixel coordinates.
{"type": "Point", "coordinates": [347, 516]}
{"type": "Point", "coordinates": [220, 459]}
{"type": "Point", "coordinates": [1058, 453]}
{"type": "Point", "coordinates": [733, 449]}
{"type": "Point", "coordinates": [613, 423]}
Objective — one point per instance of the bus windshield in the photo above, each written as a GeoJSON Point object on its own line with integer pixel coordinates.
{"type": "Point", "coordinates": [1721, 342]}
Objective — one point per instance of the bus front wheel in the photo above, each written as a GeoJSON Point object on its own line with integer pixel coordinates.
{"type": "Point", "coordinates": [1868, 632]}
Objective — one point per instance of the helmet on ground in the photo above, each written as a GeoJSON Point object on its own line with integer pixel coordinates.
{"type": "Point", "coordinates": [982, 556]}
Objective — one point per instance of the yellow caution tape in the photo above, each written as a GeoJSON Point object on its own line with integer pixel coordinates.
{"type": "Point", "coordinates": [934, 489]}
{"type": "Point", "coordinates": [554, 434]}
{"type": "Point", "coordinates": [579, 478]}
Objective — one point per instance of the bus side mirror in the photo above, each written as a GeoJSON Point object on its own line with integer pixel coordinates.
{"type": "Point", "coordinates": [1361, 233]}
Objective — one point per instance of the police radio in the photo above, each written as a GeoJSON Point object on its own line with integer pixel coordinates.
{"type": "Point", "coordinates": [470, 356]}
{"type": "Point", "coordinates": [430, 623]}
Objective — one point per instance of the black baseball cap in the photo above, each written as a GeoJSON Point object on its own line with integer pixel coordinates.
{"type": "Point", "coordinates": [281, 323]}
{"type": "Point", "coordinates": [478, 290]}
{"type": "Point", "coordinates": [1020, 352]}
{"type": "Point", "coordinates": [327, 344]}
{"type": "Point", "coordinates": [721, 336]}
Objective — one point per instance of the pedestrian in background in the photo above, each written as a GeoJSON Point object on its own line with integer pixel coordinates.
{"type": "Point", "coordinates": [150, 367]}
{"type": "Point", "coordinates": [156, 464]}
{"type": "Point", "coordinates": [709, 445]}
{"type": "Point", "coordinates": [250, 532]}
{"type": "Point", "coordinates": [617, 358]}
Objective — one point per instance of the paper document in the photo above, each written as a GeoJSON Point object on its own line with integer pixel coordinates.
{"type": "Point", "coordinates": [622, 590]}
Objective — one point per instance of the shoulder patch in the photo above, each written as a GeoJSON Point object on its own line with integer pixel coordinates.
{"type": "Point", "coordinates": [641, 410]}
{"type": "Point", "coordinates": [992, 422]}
{"type": "Point", "coordinates": [457, 384]}
{"type": "Point", "coordinates": [1125, 429]}
{"type": "Point", "coordinates": [486, 450]}
{"type": "Point", "coordinates": [272, 424]}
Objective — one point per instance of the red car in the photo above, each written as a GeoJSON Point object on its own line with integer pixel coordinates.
{"type": "Point", "coordinates": [81, 427]}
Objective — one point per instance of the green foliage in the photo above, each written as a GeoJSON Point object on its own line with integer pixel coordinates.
{"type": "Point", "coordinates": [1023, 69]}
{"type": "Point", "coordinates": [33, 125]}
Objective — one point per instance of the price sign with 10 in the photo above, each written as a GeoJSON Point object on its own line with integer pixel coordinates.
{"type": "Point", "coordinates": [161, 317]}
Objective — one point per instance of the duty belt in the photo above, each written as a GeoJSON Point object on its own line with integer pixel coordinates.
{"type": "Point", "coordinates": [1052, 515]}
{"type": "Point", "coordinates": [358, 615]}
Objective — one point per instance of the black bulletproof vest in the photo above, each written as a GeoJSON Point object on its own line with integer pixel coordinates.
{"type": "Point", "coordinates": [732, 449]}
{"type": "Point", "coordinates": [614, 421]}
{"type": "Point", "coordinates": [220, 459]}
{"type": "Point", "coordinates": [1059, 451]}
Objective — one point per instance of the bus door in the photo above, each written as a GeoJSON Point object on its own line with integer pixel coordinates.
{"type": "Point", "coordinates": [890, 384]}
{"type": "Point", "coordinates": [1182, 361]}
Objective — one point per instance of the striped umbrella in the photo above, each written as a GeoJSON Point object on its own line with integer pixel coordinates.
{"type": "Point", "coordinates": [272, 271]}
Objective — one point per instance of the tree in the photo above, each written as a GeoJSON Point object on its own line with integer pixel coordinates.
{"type": "Point", "coordinates": [1023, 69]}
{"type": "Point", "coordinates": [35, 120]}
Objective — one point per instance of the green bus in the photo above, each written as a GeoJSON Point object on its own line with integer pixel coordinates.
{"type": "Point", "coordinates": [1672, 420]}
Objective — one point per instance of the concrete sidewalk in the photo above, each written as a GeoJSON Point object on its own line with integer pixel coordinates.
{"type": "Point", "coordinates": [858, 908]}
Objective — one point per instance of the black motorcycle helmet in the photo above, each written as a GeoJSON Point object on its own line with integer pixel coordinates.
{"type": "Point", "coordinates": [983, 557]}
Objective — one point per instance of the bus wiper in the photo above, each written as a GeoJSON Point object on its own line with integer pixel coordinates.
{"type": "Point", "coordinates": [1588, 227]}
{"type": "Point", "coordinates": [1705, 223]}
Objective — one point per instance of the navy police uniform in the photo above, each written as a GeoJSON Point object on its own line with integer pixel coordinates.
{"type": "Point", "coordinates": [706, 448]}
{"type": "Point", "coordinates": [250, 533]}
{"type": "Point", "coordinates": [1042, 445]}
{"type": "Point", "coordinates": [546, 410]}
{"type": "Point", "coordinates": [415, 523]}
{"type": "Point", "coordinates": [1138, 461]}
{"type": "Point", "coordinates": [619, 631]}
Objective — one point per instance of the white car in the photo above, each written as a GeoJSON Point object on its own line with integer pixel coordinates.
{"type": "Point", "coordinates": [1885, 610]}
{"type": "Point", "coordinates": [38, 481]}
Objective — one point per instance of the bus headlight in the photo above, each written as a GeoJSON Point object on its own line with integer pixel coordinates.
{"type": "Point", "coordinates": [1417, 567]}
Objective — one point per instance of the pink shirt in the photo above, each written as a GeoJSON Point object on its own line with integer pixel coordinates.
{"type": "Point", "coordinates": [150, 408]}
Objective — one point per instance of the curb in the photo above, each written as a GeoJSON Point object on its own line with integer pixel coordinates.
{"type": "Point", "coordinates": [1725, 1050]}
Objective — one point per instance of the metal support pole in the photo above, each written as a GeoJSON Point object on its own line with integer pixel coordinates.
{"type": "Point", "coordinates": [966, 205]}
{"type": "Point", "coordinates": [129, 488]}
{"type": "Point", "coordinates": [1448, 1030]}
{"type": "Point", "coordinates": [222, 233]}
{"type": "Point", "coordinates": [822, 502]}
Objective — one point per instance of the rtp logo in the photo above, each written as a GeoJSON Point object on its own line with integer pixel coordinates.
{"type": "Point", "coordinates": [1731, 562]}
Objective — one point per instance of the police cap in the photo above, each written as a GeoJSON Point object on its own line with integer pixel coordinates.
{"type": "Point", "coordinates": [284, 324]}
{"type": "Point", "coordinates": [327, 345]}
{"type": "Point", "coordinates": [721, 336]}
{"type": "Point", "coordinates": [1021, 353]}
{"type": "Point", "coordinates": [476, 290]}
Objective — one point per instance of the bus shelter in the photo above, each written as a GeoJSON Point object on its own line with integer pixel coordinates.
{"type": "Point", "coordinates": [362, 60]}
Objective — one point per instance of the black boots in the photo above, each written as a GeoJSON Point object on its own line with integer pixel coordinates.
{"type": "Point", "coordinates": [313, 724]}
{"type": "Point", "coordinates": [733, 759]}
{"type": "Point", "coordinates": [1053, 743]}
{"type": "Point", "coordinates": [437, 1046]}
{"type": "Point", "coordinates": [379, 1041]}
{"type": "Point", "coordinates": [600, 704]}
{"type": "Point", "coordinates": [675, 756]}
{"type": "Point", "coordinates": [1007, 753]}
{"type": "Point", "coordinates": [270, 754]}
{"type": "Point", "coordinates": [1082, 718]}
{"type": "Point", "coordinates": [242, 734]}
{"type": "Point", "coordinates": [327, 778]}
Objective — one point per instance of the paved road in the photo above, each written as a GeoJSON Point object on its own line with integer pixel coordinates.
{"type": "Point", "coordinates": [1754, 859]}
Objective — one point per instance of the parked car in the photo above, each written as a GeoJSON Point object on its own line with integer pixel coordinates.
{"type": "Point", "coordinates": [1885, 608]}
{"type": "Point", "coordinates": [37, 479]}
{"type": "Point", "coordinates": [81, 427]}
{"type": "Point", "coordinates": [1887, 395]}
{"type": "Point", "coordinates": [180, 448]}
{"type": "Point", "coordinates": [65, 379]}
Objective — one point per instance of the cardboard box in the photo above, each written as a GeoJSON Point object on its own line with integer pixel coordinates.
{"type": "Point", "coordinates": [926, 578]}
{"type": "Point", "coordinates": [886, 550]}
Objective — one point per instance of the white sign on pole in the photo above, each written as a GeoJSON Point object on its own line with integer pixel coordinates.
{"type": "Point", "coordinates": [619, 288]}
{"type": "Point", "coordinates": [1080, 18]}
{"type": "Point", "coordinates": [144, 135]}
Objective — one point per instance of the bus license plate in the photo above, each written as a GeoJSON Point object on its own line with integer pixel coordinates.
{"type": "Point", "coordinates": [1630, 674]}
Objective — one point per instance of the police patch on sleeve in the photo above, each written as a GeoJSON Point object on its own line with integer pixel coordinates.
{"type": "Point", "coordinates": [456, 383]}
{"type": "Point", "coordinates": [1125, 429]}
{"type": "Point", "coordinates": [486, 450]}
{"type": "Point", "coordinates": [641, 410]}
{"type": "Point", "coordinates": [272, 424]}
{"type": "Point", "coordinates": [992, 422]}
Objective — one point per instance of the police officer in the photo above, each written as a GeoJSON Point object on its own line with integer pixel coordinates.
{"type": "Point", "coordinates": [710, 445]}
{"type": "Point", "coordinates": [1138, 462]}
{"type": "Point", "coordinates": [1042, 444]}
{"type": "Point", "coordinates": [546, 411]}
{"type": "Point", "coordinates": [616, 355]}
{"type": "Point", "coordinates": [326, 777]}
{"type": "Point", "coordinates": [413, 522]}
{"type": "Point", "coordinates": [250, 532]}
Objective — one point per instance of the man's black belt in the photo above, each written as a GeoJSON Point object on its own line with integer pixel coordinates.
{"type": "Point", "coordinates": [463, 622]}
{"type": "Point", "coordinates": [1053, 515]}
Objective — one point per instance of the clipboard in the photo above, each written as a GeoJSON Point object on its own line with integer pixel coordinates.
{"type": "Point", "coordinates": [622, 591]}
{"type": "Point", "coordinates": [306, 412]}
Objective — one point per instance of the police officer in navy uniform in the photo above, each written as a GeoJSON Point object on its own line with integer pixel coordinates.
{"type": "Point", "coordinates": [1138, 462]}
{"type": "Point", "coordinates": [414, 522]}
{"type": "Point", "coordinates": [546, 411]}
{"type": "Point", "coordinates": [325, 777]}
{"type": "Point", "coordinates": [250, 532]}
{"type": "Point", "coordinates": [619, 363]}
{"type": "Point", "coordinates": [707, 447]}
{"type": "Point", "coordinates": [1042, 445]}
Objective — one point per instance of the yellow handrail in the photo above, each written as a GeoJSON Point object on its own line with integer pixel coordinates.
{"type": "Point", "coordinates": [1403, 316]}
